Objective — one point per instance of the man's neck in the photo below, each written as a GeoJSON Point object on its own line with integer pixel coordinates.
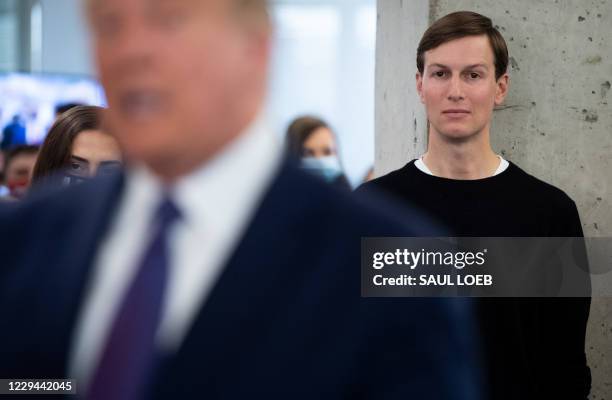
{"type": "Point", "coordinates": [170, 168]}
{"type": "Point", "coordinates": [464, 160]}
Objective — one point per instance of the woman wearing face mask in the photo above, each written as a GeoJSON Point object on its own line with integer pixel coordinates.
{"type": "Point", "coordinates": [76, 148]}
{"type": "Point", "coordinates": [311, 141]}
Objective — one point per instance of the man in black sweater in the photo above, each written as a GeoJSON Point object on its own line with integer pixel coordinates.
{"type": "Point", "coordinates": [534, 347]}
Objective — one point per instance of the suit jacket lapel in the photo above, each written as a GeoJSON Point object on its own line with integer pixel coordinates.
{"type": "Point", "coordinates": [253, 279]}
{"type": "Point", "coordinates": [70, 283]}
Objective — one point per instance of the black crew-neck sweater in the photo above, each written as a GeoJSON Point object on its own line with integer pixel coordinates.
{"type": "Point", "coordinates": [534, 348]}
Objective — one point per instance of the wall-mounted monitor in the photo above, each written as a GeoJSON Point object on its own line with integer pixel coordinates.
{"type": "Point", "coordinates": [31, 100]}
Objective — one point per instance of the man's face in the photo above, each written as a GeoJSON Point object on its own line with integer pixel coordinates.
{"type": "Point", "coordinates": [176, 75]}
{"type": "Point", "coordinates": [459, 89]}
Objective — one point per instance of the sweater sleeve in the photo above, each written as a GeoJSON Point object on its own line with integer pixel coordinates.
{"type": "Point", "coordinates": [567, 374]}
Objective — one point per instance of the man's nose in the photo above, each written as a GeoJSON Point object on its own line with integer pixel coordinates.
{"type": "Point", "coordinates": [455, 90]}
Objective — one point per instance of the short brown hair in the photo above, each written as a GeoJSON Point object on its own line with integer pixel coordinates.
{"type": "Point", "coordinates": [57, 148]}
{"type": "Point", "coordinates": [461, 24]}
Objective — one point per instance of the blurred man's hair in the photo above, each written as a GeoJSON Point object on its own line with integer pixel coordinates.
{"type": "Point", "coordinates": [458, 25]}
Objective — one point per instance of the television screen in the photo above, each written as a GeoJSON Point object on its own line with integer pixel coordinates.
{"type": "Point", "coordinates": [28, 102]}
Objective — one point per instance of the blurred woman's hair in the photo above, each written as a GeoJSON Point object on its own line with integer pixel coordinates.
{"type": "Point", "coordinates": [299, 131]}
{"type": "Point", "coordinates": [56, 150]}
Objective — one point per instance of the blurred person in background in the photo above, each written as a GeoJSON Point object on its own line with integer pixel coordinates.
{"type": "Point", "coordinates": [211, 268]}
{"type": "Point", "coordinates": [76, 148]}
{"type": "Point", "coordinates": [19, 165]}
{"type": "Point", "coordinates": [311, 142]}
{"type": "Point", "coordinates": [14, 134]}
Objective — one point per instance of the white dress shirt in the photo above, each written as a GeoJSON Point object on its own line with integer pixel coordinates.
{"type": "Point", "coordinates": [216, 201]}
{"type": "Point", "coordinates": [420, 164]}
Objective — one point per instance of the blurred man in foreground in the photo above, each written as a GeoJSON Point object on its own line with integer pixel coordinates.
{"type": "Point", "coordinates": [210, 269]}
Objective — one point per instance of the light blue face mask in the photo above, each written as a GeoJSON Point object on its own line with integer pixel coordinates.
{"type": "Point", "coordinates": [327, 167]}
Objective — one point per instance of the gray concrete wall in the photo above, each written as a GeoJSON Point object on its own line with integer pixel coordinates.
{"type": "Point", "coordinates": [63, 38]}
{"type": "Point", "coordinates": [399, 120]}
{"type": "Point", "coordinates": [556, 123]}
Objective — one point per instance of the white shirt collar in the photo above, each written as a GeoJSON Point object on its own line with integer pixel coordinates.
{"type": "Point", "coordinates": [420, 164]}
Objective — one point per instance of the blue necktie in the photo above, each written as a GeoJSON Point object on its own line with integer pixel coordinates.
{"type": "Point", "coordinates": [128, 359]}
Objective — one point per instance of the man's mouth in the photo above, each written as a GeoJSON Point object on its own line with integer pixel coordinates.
{"type": "Point", "coordinates": [456, 113]}
{"type": "Point", "coordinates": [139, 103]}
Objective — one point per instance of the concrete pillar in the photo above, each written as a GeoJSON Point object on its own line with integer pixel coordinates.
{"type": "Point", "coordinates": [400, 122]}
{"type": "Point", "coordinates": [65, 38]}
{"type": "Point", "coordinates": [556, 123]}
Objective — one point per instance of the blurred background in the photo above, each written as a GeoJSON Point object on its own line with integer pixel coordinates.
{"type": "Point", "coordinates": [323, 65]}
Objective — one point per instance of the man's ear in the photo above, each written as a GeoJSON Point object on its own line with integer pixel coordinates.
{"type": "Point", "coordinates": [419, 86]}
{"type": "Point", "coordinates": [502, 89]}
{"type": "Point", "coordinates": [260, 42]}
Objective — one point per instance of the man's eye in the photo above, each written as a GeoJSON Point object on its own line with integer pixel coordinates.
{"type": "Point", "coordinates": [75, 166]}
{"type": "Point", "coordinates": [439, 74]}
{"type": "Point", "coordinates": [474, 75]}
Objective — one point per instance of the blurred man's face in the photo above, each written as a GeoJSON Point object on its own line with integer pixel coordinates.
{"type": "Point", "coordinates": [459, 89]}
{"type": "Point", "coordinates": [179, 75]}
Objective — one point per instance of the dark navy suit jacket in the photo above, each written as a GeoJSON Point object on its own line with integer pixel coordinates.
{"type": "Point", "coordinates": [285, 320]}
